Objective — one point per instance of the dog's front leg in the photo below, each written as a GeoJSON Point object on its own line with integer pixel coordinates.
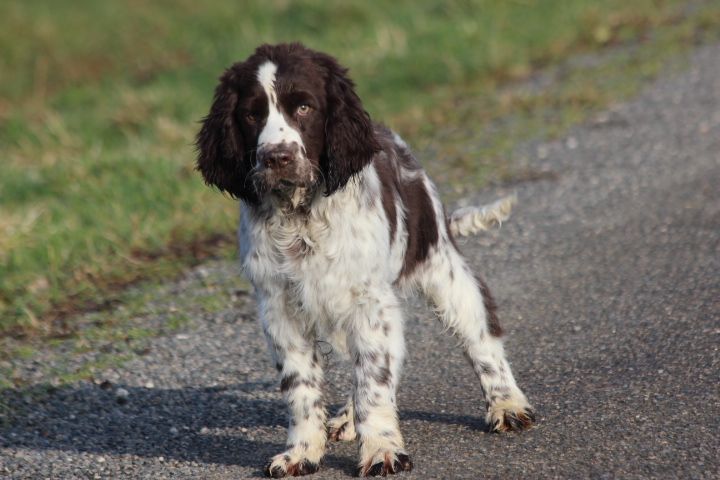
{"type": "Point", "coordinates": [301, 384]}
{"type": "Point", "coordinates": [377, 347]}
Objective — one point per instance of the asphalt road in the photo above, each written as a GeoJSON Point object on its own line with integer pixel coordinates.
{"type": "Point", "coordinates": [608, 278]}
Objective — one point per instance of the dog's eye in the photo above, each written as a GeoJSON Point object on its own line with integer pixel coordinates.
{"type": "Point", "coordinates": [303, 110]}
{"type": "Point", "coordinates": [250, 118]}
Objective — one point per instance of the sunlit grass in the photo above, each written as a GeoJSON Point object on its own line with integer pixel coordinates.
{"type": "Point", "coordinates": [99, 103]}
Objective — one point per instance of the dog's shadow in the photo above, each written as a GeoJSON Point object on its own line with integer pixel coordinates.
{"type": "Point", "coordinates": [473, 423]}
{"type": "Point", "coordinates": [206, 425]}
{"type": "Point", "coordinates": [216, 425]}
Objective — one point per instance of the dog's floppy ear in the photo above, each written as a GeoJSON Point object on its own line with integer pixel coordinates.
{"type": "Point", "coordinates": [222, 159]}
{"type": "Point", "coordinates": [350, 141]}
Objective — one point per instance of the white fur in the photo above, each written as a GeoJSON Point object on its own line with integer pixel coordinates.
{"type": "Point", "coordinates": [345, 235]}
{"type": "Point", "coordinates": [459, 305]}
{"type": "Point", "coordinates": [276, 129]}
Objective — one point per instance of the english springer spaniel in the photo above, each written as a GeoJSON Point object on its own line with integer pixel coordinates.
{"type": "Point", "coordinates": [338, 220]}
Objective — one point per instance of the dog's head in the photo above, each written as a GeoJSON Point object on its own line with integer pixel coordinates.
{"type": "Point", "coordinates": [285, 120]}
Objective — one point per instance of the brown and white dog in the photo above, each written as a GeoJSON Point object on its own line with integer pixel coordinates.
{"type": "Point", "coordinates": [338, 220]}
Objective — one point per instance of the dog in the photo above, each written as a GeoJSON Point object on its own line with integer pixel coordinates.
{"type": "Point", "coordinates": [338, 221]}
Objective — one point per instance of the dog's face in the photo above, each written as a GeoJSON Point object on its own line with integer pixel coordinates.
{"type": "Point", "coordinates": [283, 124]}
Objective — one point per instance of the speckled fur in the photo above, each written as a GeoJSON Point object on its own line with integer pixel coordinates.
{"type": "Point", "coordinates": [331, 241]}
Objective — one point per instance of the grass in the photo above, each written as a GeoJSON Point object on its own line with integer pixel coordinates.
{"type": "Point", "coordinates": [98, 116]}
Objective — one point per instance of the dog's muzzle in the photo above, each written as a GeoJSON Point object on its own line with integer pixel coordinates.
{"type": "Point", "coordinates": [284, 168]}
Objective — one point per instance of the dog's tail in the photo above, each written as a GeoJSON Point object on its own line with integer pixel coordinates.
{"type": "Point", "coordinates": [469, 220]}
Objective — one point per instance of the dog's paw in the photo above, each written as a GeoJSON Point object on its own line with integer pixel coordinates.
{"type": "Point", "coordinates": [510, 417]}
{"type": "Point", "coordinates": [284, 465]}
{"type": "Point", "coordinates": [384, 463]}
{"type": "Point", "coordinates": [341, 429]}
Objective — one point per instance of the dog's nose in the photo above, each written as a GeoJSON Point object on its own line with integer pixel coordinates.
{"type": "Point", "coordinates": [277, 158]}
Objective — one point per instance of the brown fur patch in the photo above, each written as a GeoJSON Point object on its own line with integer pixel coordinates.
{"type": "Point", "coordinates": [389, 185]}
{"type": "Point", "coordinates": [490, 307]}
{"type": "Point", "coordinates": [289, 382]}
{"type": "Point", "coordinates": [420, 223]}
{"type": "Point", "coordinates": [402, 176]}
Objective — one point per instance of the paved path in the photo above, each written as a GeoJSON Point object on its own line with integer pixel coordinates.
{"type": "Point", "coordinates": [608, 277]}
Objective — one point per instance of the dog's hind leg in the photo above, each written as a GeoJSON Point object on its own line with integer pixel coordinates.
{"type": "Point", "coordinates": [465, 306]}
{"type": "Point", "coordinates": [341, 427]}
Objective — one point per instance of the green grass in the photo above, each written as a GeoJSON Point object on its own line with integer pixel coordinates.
{"type": "Point", "coordinates": [99, 103]}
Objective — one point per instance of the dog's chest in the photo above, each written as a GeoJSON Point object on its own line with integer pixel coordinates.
{"type": "Point", "coordinates": [328, 262]}
{"type": "Point", "coordinates": [318, 248]}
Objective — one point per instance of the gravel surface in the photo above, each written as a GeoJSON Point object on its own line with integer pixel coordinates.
{"type": "Point", "coordinates": [608, 278]}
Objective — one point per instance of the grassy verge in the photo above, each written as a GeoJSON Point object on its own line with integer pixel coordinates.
{"type": "Point", "coordinates": [479, 133]}
{"type": "Point", "coordinates": [214, 292]}
{"type": "Point", "coordinates": [98, 115]}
